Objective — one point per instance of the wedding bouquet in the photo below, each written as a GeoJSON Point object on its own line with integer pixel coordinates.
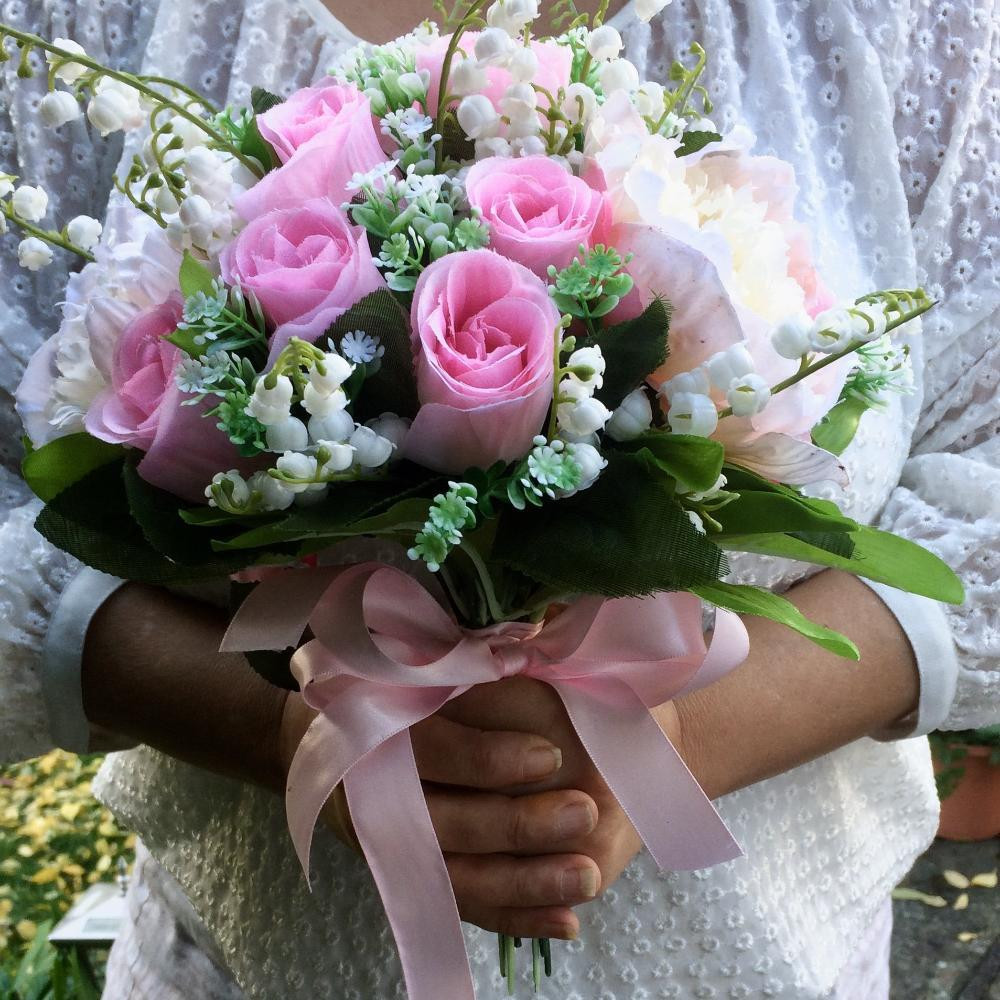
{"type": "Point", "coordinates": [489, 299]}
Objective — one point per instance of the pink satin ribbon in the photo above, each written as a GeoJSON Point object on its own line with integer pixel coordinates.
{"type": "Point", "coordinates": [386, 655]}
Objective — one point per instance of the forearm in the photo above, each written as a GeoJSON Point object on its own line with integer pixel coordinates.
{"type": "Point", "coordinates": [791, 701]}
{"type": "Point", "coordinates": [152, 672]}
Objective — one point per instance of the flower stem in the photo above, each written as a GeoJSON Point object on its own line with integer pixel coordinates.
{"type": "Point", "coordinates": [28, 40]}
{"type": "Point", "coordinates": [47, 235]}
{"type": "Point", "coordinates": [806, 370]}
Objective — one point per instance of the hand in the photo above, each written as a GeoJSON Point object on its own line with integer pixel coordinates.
{"type": "Point", "coordinates": [532, 706]}
{"type": "Point", "coordinates": [513, 865]}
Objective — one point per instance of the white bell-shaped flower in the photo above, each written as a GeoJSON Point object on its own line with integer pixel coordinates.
{"type": "Point", "coordinates": [477, 117]}
{"type": "Point", "coordinates": [467, 77]}
{"type": "Point", "coordinates": [512, 15]}
{"type": "Point", "coordinates": [33, 254]}
{"type": "Point", "coordinates": [692, 413]}
{"type": "Point", "coordinates": [320, 404]}
{"type": "Point", "coordinates": [732, 363]}
{"type": "Point", "coordinates": [371, 449]}
{"type": "Point", "coordinates": [586, 366]}
{"type": "Point", "coordinates": [619, 74]}
{"type": "Point", "coordinates": [523, 64]}
{"type": "Point", "coordinates": [68, 72]}
{"type": "Point", "coordinates": [115, 107]}
{"type": "Point", "coordinates": [605, 43]}
{"type": "Point", "coordinates": [30, 203]}
{"type": "Point", "coordinates": [336, 456]}
{"type": "Point", "coordinates": [494, 47]}
{"type": "Point", "coordinates": [271, 405]}
{"type": "Point", "coordinates": [791, 337]}
{"type": "Point", "coordinates": [391, 427]}
{"type": "Point", "coordinates": [632, 418]}
{"type": "Point", "coordinates": [274, 494]}
{"type": "Point", "coordinates": [84, 231]}
{"type": "Point", "coordinates": [592, 463]}
{"type": "Point", "coordinates": [288, 435]}
{"type": "Point", "coordinates": [338, 425]}
{"type": "Point", "coordinates": [579, 103]}
{"type": "Point", "coordinates": [336, 371]}
{"type": "Point", "coordinates": [695, 381]}
{"type": "Point", "coordinates": [647, 9]}
{"type": "Point", "coordinates": [298, 466]}
{"type": "Point", "coordinates": [58, 108]}
{"type": "Point", "coordinates": [580, 414]}
{"type": "Point", "coordinates": [834, 330]}
{"type": "Point", "coordinates": [748, 395]}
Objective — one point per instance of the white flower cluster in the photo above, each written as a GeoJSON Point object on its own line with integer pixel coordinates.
{"type": "Point", "coordinates": [830, 332]}
{"type": "Point", "coordinates": [692, 410]}
{"type": "Point", "coordinates": [312, 454]}
{"type": "Point", "coordinates": [31, 204]}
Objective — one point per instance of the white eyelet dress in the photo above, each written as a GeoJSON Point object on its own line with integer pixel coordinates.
{"type": "Point", "coordinates": [889, 113]}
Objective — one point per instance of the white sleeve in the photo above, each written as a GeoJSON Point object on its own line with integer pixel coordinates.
{"type": "Point", "coordinates": [75, 169]}
{"type": "Point", "coordinates": [947, 109]}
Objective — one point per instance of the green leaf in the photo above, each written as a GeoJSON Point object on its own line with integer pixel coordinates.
{"type": "Point", "coordinates": [393, 387]}
{"type": "Point", "coordinates": [92, 521]}
{"type": "Point", "coordinates": [695, 462]}
{"type": "Point", "coordinates": [633, 350]}
{"type": "Point", "coordinates": [594, 543]}
{"type": "Point", "coordinates": [756, 512]}
{"type": "Point", "coordinates": [262, 100]}
{"type": "Point", "coordinates": [195, 277]}
{"type": "Point", "coordinates": [837, 429]}
{"type": "Point", "coordinates": [692, 142]}
{"type": "Point", "coordinates": [877, 555]}
{"type": "Point", "coordinates": [60, 463]}
{"type": "Point", "coordinates": [254, 144]}
{"type": "Point", "coordinates": [745, 600]}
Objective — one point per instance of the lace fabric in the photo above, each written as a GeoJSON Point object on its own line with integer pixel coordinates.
{"type": "Point", "coordinates": [889, 112]}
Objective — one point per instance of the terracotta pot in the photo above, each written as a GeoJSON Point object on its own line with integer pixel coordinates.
{"type": "Point", "coordinates": [972, 811]}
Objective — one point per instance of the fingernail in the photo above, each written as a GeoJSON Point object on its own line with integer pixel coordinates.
{"type": "Point", "coordinates": [561, 932]}
{"type": "Point", "coordinates": [572, 821]}
{"type": "Point", "coordinates": [541, 762]}
{"type": "Point", "coordinates": [575, 883]}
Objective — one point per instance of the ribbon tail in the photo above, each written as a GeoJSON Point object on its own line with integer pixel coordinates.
{"type": "Point", "coordinates": [678, 824]}
{"type": "Point", "coordinates": [394, 828]}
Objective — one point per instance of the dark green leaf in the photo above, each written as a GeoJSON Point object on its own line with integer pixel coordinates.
{"type": "Point", "coordinates": [393, 388]}
{"type": "Point", "coordinates": [195, 277]}
{"type": "Point", "coordinates": [262, 100]}
{"type": "Point", "coordinates": [878, 555]}
{"type": "Point", "coordinates": [60, 463]}
{"type": "Point", "coordinates": [92, 521]}
{"type": "Point", "coordinates": [756, 512]}
{"type": "Point", "coordinates": [837, 429]}
{"type": "Point", "coordinates": [693, 461]}
{"type": "Point", "coordinates": [255, 145]}
{"type": "Point", "coordinates": [633, 350]}
{"type": "Point", "coordinates": [694, 141]}
{"type": "Point", "coordinates": [840, 543]}
{"type": "Point", "coordinates": [457, 145]}
{"type": "Point", "coordinates": [596, 543]}
{"type": "Point", "coordinates": [745, 600]}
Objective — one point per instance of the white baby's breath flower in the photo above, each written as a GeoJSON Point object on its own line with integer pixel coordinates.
{"type": "Point", "coordinates": [30, 203]}
{"type": "Point", "coordinates": [84, 231]}
{"type": "Point", "coordinates": [69, 72]}
{"type": "Point", "coordinates": [692, 413]}
{"type": "Point", "coordinates": [34, 254]}
{"type": "Point", "coordinates": [58, 108]}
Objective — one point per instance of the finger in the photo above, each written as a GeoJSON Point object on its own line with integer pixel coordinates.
{"type": "Point", "coordinates": [499, 881]}
{"type": "Point", "coordinates": [482, 823]}
{"type": "Point", "coordinates": [558, 922]}
{"type": "Point", "coordinates": [452, 754]}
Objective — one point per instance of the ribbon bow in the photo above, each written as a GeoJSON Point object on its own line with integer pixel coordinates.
{"type": "Point", "coordinates": [387, 655]}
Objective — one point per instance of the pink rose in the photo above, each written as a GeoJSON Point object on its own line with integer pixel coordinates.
{"type": "Point", "coordinates": [323, 136]}
{"type": "Point", "coordinates": [554, 64]}
{"type": "Point", "coordinates": [538, 212]}
{"type": "Point", "coordinates": [482, 339]}
{"type": "Point", "coordinates": [306, 266]}
{"type": "Point", "coordinates": [143, 408]}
